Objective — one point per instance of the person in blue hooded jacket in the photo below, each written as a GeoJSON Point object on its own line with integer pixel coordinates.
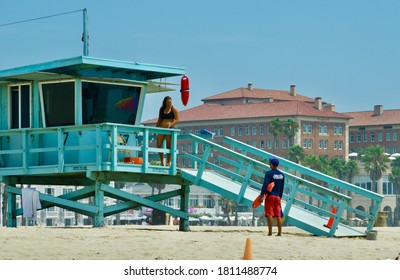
{"type": "Point", "coordinates": [272, 204]}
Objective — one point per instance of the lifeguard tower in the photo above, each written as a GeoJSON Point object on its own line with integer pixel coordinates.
{"type": "Point", "coordinates": [76, 121]}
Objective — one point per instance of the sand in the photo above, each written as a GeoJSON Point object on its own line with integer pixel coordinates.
{"type": "Point", "coordinates": [200, 243]}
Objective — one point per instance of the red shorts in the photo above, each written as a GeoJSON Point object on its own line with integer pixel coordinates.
{"type": "Point", "coordinates": [272, 206]}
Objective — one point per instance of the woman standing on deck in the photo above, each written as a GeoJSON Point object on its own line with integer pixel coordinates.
{"type": "Point", "coordinates": [168, 117]}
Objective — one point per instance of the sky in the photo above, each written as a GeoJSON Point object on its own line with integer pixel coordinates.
{"type": "Point", "coordinates": [345, 51]}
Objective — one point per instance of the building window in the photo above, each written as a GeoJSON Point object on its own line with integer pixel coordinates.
{"type": "Point", "coordinates": [183, 131]}
{"type": "Point", "coordinates": [309, 128]}
{"type": "Point", "coordinates": [183, 148]}
{"type": "Point", "coordinates": [20, 106]}
{"type": "Point", "coordinates": [320, 144]}
{"type": "Point", "coordinates": [194, 200]}
{"type": "Point", "coordinates": [67, 190]}
{"type": "Point", "coordinates": [351, 137]}
{"type": "Point", "coordinates": [388, 138]}
{"type": "Point", "coordinates": [196, 131]}
{"type": "Point", "coordinates": [284, 146]}
{"type": "Point", "coordinates": [232, 131]}
{"type": "Point", "coordinates": [254, 144]}
{"type": "Point", "coordinates": [323, 129]}
{"type": "Point", "coordinates": [305, 141]}
{"type": "Point", "coordinates": [240, 130]}
{"type": "Point", "coordinates": [276, 145]}
{"type": "Point", "coordinates": [49, 191]}
{"type": "Point", "coordinates": [247, 129]}
{"type": "Point", "coordinates": [304, 128]}
{"type": "Point", "coordinates": [310, 143]}
{"type": "Point", "coordinates": [358, 137]}
{"type": "Point", "coordinates": [337, 129]}
{"type": "Point", "coordinates": [269, 129]}
{"type": "Point", "coordinates": [254, 130]}
{"type": "Point", "coordinates": [335, 145]}
{"type": "Point", "coordinates": [101, 103]}
{"type": "Point", "coordinates": [394, 135]}
{"type": "Point", "coordinates": [269, 144]}
{"type": "Point", "coordinates": [325, 144]}
{"type": "Point", "coordinates": [208, 202]}
{"type": "Point", "coordinates": [262, 144]}
{"type": "Point", "coordinates": [380, 137]}
{"type": "Point", "coordinates": [340, 145]}
{"type": "Point", "coordinates": [364, 137]}
{"type": "Point", "coordinates": [261, 129]}
{"type": "Point", "coordinates": [372, 136]}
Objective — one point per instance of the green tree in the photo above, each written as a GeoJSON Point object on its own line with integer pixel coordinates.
{"type": "Point", "coordinates": [290, 129]}
{"type": "Point", "coordinates": [277, 128]}
{"type": "Point", "coordinates": [339, 167]}
{"type": "Point", "coordinates": [375, 163]}
{"type": "Point", "coordinates": [394, 178]}
{"type": "Point", "coordinates": [352, 170]}
{"type": "Point", "coordinates": [227, 207]}
{"type": "Point", "coordinates": [296, 154]}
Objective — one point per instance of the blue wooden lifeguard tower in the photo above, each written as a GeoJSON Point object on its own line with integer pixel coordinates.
{"type": "Point", "coordinates": [75, 121]}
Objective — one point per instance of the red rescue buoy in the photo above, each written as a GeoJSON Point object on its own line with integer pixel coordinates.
{"type": "Point", "coordinates": [185, 90]}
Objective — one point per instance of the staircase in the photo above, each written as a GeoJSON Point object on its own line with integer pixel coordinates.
{"type": "Point", "coordinates": [237, 173]}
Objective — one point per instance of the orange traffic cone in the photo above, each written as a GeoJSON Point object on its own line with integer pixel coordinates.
{"type": "Point", "coordinates": [330, 221]}
{"type": "Point", "coordinates": [248, 251]}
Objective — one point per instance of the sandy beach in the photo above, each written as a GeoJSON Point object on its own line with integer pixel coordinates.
{"type": "Point", "coordinates": [200, 243]}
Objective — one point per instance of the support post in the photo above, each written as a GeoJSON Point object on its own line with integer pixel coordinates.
{"type": "Point", "coordinates": [11, 209]}
{"type": "Point", "coordinates": [184, 223]}
{"type": "Point", "coordinates": [99, 203]}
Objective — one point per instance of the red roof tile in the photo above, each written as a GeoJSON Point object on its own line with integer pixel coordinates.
{"type": "Point", "coordinates": [255, 93]}
{"type": "Point", "coordinates": [367, 118]}
{"type": "Point", "coordinates": [208, 112]}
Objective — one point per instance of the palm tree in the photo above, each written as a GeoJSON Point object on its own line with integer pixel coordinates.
{"type": "Point", "coordinates": [394, 178]}
{"type": "Point", "coordinates": [290, 129]}
{"type": "Point", "coordinates": [375, 163]}
{"type": "Point", "coordinates": [296, 154]}
{"type": "Point", "coordinates": [276, 129]}
{"type": "Point", "coordinates": [352, 170]}
{"type": "Point", "coordinates": [227, 206]}
{"type": "Point", "coordinates": [339, 167]}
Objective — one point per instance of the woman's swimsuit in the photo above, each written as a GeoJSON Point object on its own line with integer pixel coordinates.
{"type": "Point", "coordinates": [169, 116]}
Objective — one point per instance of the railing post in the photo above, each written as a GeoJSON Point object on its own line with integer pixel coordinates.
{"type": "Point", "coordinates": [25, 147]}
{"type": "Point", "coordinates": [145, 150]}
{"type": "Point", "coordinates": [60, 144]}
{"type": "Point", "coordinates": [245, 182]}
{"type": "Point", "coordinates": [99, 152]}
{"type": "Point", "coordinates": [203, 163]}
{"type": "Point", "coordinates": [173, 151]}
